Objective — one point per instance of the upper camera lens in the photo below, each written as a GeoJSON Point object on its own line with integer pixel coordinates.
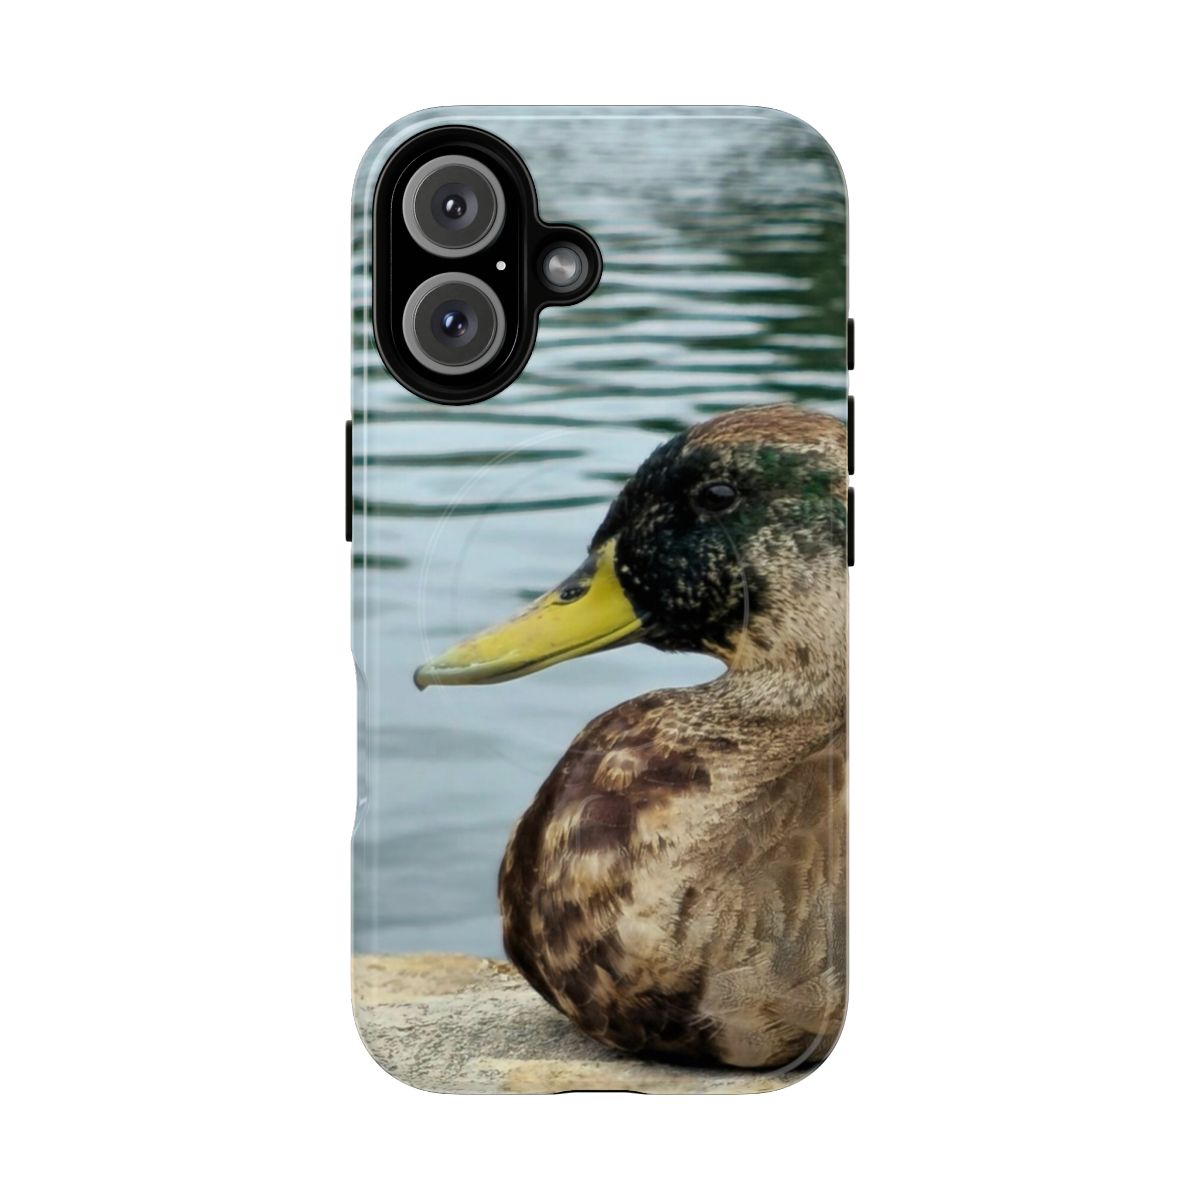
{"type": "Point", "coordinates": [453, 206]}
{"type": "Point", "coordinates": [453, 323]}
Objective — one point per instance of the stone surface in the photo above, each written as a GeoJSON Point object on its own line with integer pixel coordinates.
{"type": "Point", "coordinates": [453, 1023]}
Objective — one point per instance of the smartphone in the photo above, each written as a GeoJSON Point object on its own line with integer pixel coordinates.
{"type": "Point", "coordinates": [601, 528]}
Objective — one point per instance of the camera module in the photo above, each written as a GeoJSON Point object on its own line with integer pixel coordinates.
{"type": "Point", "coordinates": [462, 265]}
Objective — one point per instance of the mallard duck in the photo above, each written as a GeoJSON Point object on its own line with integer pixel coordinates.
{"type": "Point", "coordinates": [678, 885]}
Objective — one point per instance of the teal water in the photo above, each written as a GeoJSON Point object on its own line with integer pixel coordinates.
{"type": "Point", "coordinates": [723, 286]}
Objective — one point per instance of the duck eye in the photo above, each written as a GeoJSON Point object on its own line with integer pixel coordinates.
{"type": "Point", "coordinates": [716, 497]}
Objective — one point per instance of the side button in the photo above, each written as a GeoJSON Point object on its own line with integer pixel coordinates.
{"type": "Point", "coordinates": [850, 527]}
{"type": "Point", "coordinates": [349, 481]}
{"type": "Point", "coordinates": [849, 435]}
{"type": "Point", "coordinates": [850, 344]}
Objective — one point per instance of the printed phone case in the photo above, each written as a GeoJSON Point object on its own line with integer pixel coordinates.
{"type": "Point", "coordinates": [623, 864]}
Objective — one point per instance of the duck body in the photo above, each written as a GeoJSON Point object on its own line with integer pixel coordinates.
{"type": "Point", "coordinates": [678, 885]}
{"type": "Point", "coordinates": [677, 890]}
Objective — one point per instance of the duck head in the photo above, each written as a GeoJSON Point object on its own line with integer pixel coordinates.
{"type": "Point", "coordinates": [729, 540]}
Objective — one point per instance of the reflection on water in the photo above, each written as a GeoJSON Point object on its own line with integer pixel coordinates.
{"type": "Point", "coordinates": [723, 243]}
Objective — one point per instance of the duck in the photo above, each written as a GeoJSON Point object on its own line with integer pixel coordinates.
{"type": "Point", "coordinates": [677, 887]}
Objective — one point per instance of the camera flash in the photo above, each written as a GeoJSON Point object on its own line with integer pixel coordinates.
{"type": "Point", "coordinates": [562, 267]}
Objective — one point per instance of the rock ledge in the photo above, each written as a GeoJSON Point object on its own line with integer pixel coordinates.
{"type": "Point", "coordinates": [453, 1023]}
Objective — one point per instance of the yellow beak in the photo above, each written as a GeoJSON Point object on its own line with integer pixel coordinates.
{"type": "Point", "coordinates": [586, 612]}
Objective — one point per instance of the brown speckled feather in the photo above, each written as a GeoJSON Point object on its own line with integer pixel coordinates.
{"type": "Point", "coordinates": [668, 916]}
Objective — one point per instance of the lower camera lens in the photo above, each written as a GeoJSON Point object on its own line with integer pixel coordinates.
{"type": "Point", "coordinates": [453, 323]}
{"type": "Point", "coordinates": [453, 206]}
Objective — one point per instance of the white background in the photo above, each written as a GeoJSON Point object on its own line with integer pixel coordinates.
{"type": "Point", "coordinates": [178, 735]}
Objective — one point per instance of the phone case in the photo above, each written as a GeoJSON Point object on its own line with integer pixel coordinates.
{"type": "Point", "coordinates": [657, 780]}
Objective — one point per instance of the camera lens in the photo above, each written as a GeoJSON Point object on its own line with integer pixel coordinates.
{"type": "Point", "coordinates": [453, 323]}
{"type": "Point", "coordinates": [453, 206]}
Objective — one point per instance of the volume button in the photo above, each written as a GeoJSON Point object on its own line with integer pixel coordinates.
{"type": "Point", "coordinates": [849, 435]}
